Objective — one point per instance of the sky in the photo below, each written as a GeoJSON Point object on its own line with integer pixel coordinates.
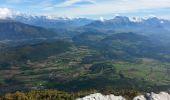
{"type": "Point", "coordinates": [87, 8]}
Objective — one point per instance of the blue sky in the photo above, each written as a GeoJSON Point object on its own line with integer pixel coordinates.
{"type": "Point", "coordinates": [87, 8]}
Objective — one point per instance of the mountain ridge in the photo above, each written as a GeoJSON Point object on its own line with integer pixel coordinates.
{"type": "Point", "coordinates": [13, 30]}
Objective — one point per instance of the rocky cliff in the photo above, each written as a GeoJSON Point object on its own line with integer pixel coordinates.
{"type": "Point", "coordinates": [154, 96]}
{"type": "Point", "coordinates": [148, 96]}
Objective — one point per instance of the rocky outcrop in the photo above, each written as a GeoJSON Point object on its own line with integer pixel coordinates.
{"type": "Point", "coordinates": [148, 96]}
{"type": "Point", "coordinates": [154, 96]}
{"type": "Point", "coordinates": [99, 96]}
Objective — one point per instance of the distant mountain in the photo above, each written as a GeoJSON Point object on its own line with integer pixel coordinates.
{"type": "Point", "coordinates": [122, 23]}
{"type": "Point", "coordinates": [157, 29]}
{"type": "Point", "coordinates": [12, 30]}
{"type": "Point", "coordinates": [118, 23]}
{"type": "Point", "coordinates": [55, 23]}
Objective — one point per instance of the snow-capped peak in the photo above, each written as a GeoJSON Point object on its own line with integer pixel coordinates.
{"type": "Point", "coordinates": [101, 19]}
{"type": "Point", "coordinates": [135, 19]}
{"type": "Point", "coordinates": [162, 22]}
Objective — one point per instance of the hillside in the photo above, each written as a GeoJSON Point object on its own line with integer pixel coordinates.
{"type": "Point", "coordinates": [12, 30]}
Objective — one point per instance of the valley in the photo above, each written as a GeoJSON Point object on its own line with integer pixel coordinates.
{"type": "Point", "coordinates": [82, 59]}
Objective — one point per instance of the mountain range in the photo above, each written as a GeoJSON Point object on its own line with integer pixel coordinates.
{"type": "Point", "coordinates": [56, 23]}
{"type": "Point", "coordinates": [153, 27]}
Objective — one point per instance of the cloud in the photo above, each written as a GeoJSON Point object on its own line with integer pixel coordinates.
{"type": "Point", "coordinates": [5, 13]}
{"type": "Point", "coordinates": [84, 8]}
{"type": "Point", "coordinates": [68, 3]}
{"type": "Point", "coordinates": [117, 6]}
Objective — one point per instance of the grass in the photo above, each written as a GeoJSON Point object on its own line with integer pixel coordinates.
{"type": "Point", "coordinates": [155, 72]}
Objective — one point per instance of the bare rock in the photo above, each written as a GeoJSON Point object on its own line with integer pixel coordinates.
{"type": "Point", "coordinates": [154, 96]}
{"type": "Point", "coordinates": [99, 96]}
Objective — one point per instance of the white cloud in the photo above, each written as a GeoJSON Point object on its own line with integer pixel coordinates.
{"type": "Point", "coordinates": [112, 6]}
{"type": "Point", "coordinates": [68, 3]}
{"type": "Point", "coordinates": [8, 13]}
{"type": "Point", "coordinates": [5, 12]}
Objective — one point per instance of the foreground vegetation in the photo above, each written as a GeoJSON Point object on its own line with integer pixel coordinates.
{"type": "Point", "coordinates": [59, 95]}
